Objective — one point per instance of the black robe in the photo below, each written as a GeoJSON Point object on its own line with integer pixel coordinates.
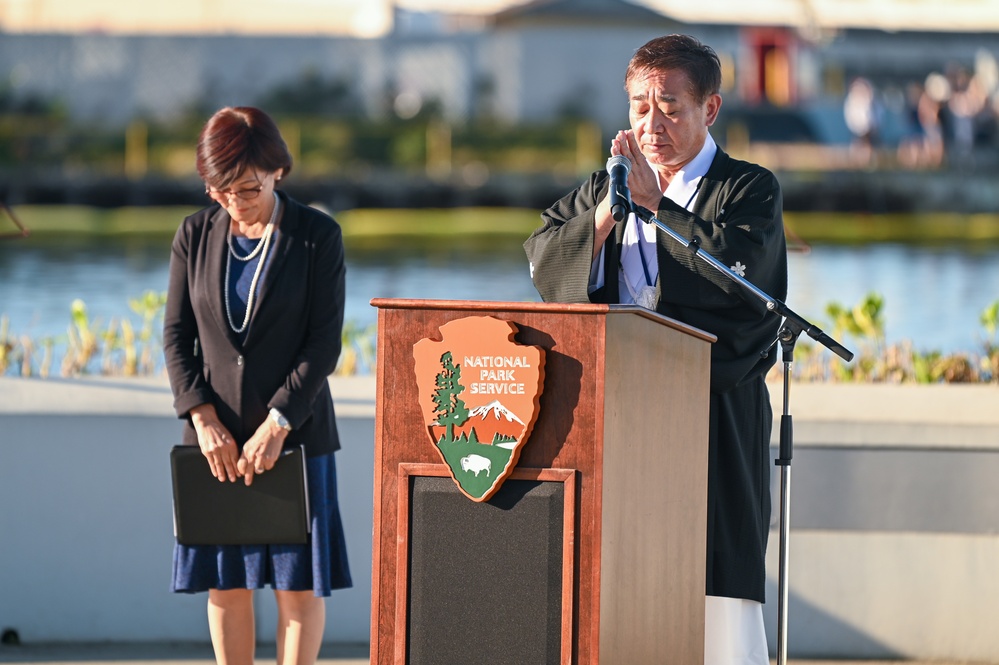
{"type": "Point", "coordinates": [737, 217]}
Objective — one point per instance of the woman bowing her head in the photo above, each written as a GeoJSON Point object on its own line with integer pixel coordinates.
{"type": "Point", "coordinates": [252, 330]}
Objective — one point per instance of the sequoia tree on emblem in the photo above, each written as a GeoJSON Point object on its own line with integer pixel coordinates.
{"type": "Point", "coordinates": [479, 393]}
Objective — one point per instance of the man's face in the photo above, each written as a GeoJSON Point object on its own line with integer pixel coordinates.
{"type": "Point", "coordinates": [668, 122]}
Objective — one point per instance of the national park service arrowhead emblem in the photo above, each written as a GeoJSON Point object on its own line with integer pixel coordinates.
{"type": "Point", "coordinates": [479, 393]}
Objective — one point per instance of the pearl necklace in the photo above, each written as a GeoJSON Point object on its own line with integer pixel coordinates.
{"type": "Point", "coordinates": [261, 249]}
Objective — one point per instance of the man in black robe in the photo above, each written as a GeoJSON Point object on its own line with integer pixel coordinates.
{"type": "Point", "coordinates": [733, 208]}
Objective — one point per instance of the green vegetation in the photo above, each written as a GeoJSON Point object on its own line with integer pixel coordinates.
{"type": "Point", "coordinates": [357, 349]}
{"type": "Point", "coordinates": [120, 348]}
{"type": "Point", "coordinates": [429, 230]}
{"type": "Point", "coordinates": [322, 146]}
{"type": "Point", "coordinates": [56, 223]}
{"type": "Point", "coordinates": [114, 349]}
{"type": "Point", "coordinates": [911, 228]}
{"type": "Point", "coordinates": [862, 327]}
{"type": "Point", "coordinates": [376, 228]}
{"type": "Point", "coordinates": [364, 228]}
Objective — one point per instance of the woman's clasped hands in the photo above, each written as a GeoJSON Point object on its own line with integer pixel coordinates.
{"type": "Point", "coordinates": [259, 453]}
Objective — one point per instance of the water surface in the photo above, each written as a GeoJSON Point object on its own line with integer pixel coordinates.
{"type": "Point", "coordinates": [933, 296]}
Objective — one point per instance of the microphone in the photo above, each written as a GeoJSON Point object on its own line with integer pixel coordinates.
{"type": "Point", "coordinates": [618, 166]}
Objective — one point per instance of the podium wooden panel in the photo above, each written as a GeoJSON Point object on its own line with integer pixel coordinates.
{"type": "Point", "coordinates": [623, 429]}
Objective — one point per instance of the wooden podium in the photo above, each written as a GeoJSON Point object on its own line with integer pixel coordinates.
{"type": "Point", "coordinates": [593, 550]}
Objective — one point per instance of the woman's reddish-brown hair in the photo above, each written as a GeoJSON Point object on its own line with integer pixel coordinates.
{"type": "Point", "coordinates": [236, 139]}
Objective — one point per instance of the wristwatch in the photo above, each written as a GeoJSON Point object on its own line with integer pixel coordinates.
{"type": "Point", "coordinates": [279, 418]}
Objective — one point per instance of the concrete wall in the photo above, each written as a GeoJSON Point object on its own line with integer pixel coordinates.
{"type": "Point", "coordinates": [894, 517]}
{"type": "Point", "coordinates": [894, 522]}
{"type": "Point", "coordinates": [86, 526]}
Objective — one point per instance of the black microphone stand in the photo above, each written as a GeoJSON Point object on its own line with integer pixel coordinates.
{"type": "Point", "coordinates": [790, 329]}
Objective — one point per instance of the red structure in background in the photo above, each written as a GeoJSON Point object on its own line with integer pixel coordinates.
{"type": "Point", "coordinates": [768, 74]}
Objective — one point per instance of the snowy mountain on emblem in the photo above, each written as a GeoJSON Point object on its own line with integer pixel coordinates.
{"type": "Point", "coordinates": [496, 424]}
{"type": "Point", "coordinates": [493, 424]}
{"type": "Point", "coordinates": [498, 412]}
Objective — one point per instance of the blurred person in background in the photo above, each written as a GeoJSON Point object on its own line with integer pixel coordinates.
{"type": "Point", "coordinates": [965, 106]}
{"type": "Point", "coordinates": [910, 146]}
{"type": "Point", "coordinates": [252, 330]}
{"type": "Point", "coordinates": [862, 113]}
{"type": "Point", "coordinates": [580, 254]}
{"type": "Point", "coordinates": [924, 146]}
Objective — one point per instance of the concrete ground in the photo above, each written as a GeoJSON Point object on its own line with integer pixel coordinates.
{"type": "Point", "coordinates": [201, 654]}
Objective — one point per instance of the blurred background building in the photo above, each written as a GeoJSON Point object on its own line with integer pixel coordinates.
{"type": "Point", "coordinates": [808, 84]}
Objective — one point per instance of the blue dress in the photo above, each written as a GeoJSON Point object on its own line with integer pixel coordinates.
{"type": "Point", "coordinates": [319, 565]}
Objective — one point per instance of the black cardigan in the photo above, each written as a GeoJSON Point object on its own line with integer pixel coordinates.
{"type": "Point", "coordinates": [293, 339]}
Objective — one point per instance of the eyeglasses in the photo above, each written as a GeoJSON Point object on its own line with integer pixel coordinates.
{"type": "Point", "coordinates": [226, 194]}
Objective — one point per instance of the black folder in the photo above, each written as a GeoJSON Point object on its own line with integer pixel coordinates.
{"type": "Point", "coordinates": [273, 510]}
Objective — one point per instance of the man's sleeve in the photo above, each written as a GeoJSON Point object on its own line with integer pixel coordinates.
{"type": "Point", "coordinates": [561, 250]}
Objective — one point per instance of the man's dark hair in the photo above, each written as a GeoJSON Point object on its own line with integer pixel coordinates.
{"type": "Point", "coordinates": [698, 61]}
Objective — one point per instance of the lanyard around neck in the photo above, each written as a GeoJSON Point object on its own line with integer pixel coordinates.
{"type": "Point", "coordinates": [641, 235]}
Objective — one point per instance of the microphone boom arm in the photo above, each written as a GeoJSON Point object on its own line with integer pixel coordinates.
{"type": "Point", "coordinates": [792, 320]}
